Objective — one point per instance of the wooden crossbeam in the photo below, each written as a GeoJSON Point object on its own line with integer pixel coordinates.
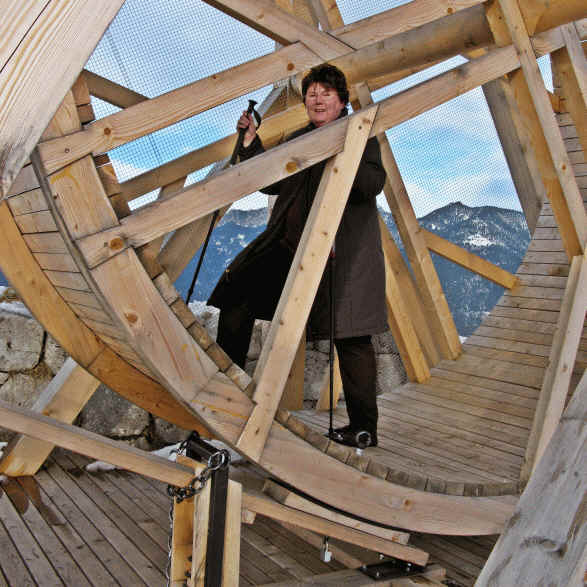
{"type": "Point", "coordinates": [42, 39]}
{"type": "Point", "coordinates": [570, 212]}
{"type": "Point", "coordinates": [281, 26]}
{"type": "Point", "coordinates": [110, 91]}
{"type": "Point", "coordinates": [63, 399]}
{"type": "Point", "coordinates": [469, 260]}
{"type": "Point", "coordinates": [206, 196]}
{"type": "Point", "coordinates": [302, 282]}
{"type": "Point", "coordinates": [555, 385]}
{"type": "Point", "coordinates": [92, 445]}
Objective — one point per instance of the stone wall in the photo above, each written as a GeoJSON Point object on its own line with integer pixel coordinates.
{"type": "Point", "coordinates": [29, 358]}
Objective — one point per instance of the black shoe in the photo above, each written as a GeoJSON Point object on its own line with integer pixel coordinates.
{"type": "Point", "coordinates": [355, 438]}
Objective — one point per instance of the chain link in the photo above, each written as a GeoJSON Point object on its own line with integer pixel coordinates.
{"type": "Point", "coordinates": [216, 461]}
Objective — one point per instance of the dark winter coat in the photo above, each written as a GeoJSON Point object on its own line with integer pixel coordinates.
{"type": "Point", "coordinates": [359, 268]}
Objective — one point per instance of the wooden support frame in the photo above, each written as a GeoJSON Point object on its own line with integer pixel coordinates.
{"type": "Point", "coordinates": [323, 402]}
{"type": "Point", "coordinates": [555, 385]}
{"type": "Point", "coordinates": [41, 42]}
{"type": "Point", "coordinates": [63, 399]}
{"type": "Point", "coordinates": [570, 212]}
{"type": "Point", "coordinates": [110, 91]}
{"type": "Point", "coordinates": [468, 260]}
{"type": "Point", "coordinates": [265, 506]}
{"type": "Point", "coordinates": [302, 283]}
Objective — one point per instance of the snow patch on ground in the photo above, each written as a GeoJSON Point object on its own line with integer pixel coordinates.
{"type": "Point", "coordinates": [478, 240]}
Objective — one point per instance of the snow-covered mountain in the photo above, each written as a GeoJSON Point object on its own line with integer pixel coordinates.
{"type": "Point", "coordinates": [496, 234]}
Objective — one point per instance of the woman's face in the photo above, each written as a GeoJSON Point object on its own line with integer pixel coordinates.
{"type": "Point", "coordinates": [322, 104]}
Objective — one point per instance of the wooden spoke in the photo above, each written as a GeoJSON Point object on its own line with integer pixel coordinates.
{"type": "Point", "coordinates": [42, 56]}
{"type": "Point", "coordinates": [570, 210]}
{"type": "Point", "coordinates": [283, 27]}
{"type": "Point", "coordinates": [110, 91]}
{"type": "Point", "coordinates": [469, 260]}
{"type": "Point", "coordinates": [302, 283]}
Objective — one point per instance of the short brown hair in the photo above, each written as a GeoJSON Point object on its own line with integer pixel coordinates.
{"type": "Point", "coordinates": [328, 75]}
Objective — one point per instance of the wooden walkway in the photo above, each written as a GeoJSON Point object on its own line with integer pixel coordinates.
{"type": "Point", "coordinates": [66, 526]}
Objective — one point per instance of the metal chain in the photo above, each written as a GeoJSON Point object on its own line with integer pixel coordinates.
{"type": "Point", "coordinates": [217, 460]}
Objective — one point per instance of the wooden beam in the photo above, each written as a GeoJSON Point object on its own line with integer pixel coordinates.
{"type": "Point", "coordinates": [302, 283]}
{"type": "Point", "coordinates": [206, 196]}
{"type": "Point", "coordinates": [323, 402]}
{"type": "Point", "coordinates": [92, 445]}
{"type": "Point", "coordinates": [516, 143]}
{"type": "Point", "coordinates": [555, 385]}
{"type": "Point", "coordinates": [265, 506]}
{"type": "Point", "coordinates": [573, 232]}
{"type": "Point", "coordinates": [42, 58]}
{"type": "Point", "coordinates": [62, 399]}
{"type": "Point", "coordinates": [546, 537]}
{"type": "Point", "coordinates": [469, 261]}
{"type": "Point", "coordinates": [151, 115]}
{"type": "Point", "coordinates": [293, 500]}
{"type": "Point", "coordinates": [569, 67]}
{"type": "Point", "coordinates": [285, 28]}
{"type": "Point", "coordinates": [293, 394]}
{"type": "Point", "coordinates": [110, 91]}
{"type": "Point", "coordinates": [327, 14]}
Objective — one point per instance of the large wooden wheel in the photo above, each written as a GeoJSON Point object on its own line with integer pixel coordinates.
{"type": "Point", "coordinates": [89, 271]}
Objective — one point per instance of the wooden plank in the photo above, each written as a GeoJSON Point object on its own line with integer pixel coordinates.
{"type": "Point", "coordinates": [200, 536]}
{"type": "Point", "coordinates": [82, 298]}
{"type": "Point", "coordinates": [550, 507]}
{"type": "Point", "coordinates": [296, 501]}
{"type": "Point", "coordinates": [31, 201]}
{"type": "Point", "coordinates": [574, 226]}
{"type": "Point", "coordinates": [110, 91]}
{"type": "Point", "coordinates": [232, 535]}
{"type": "Point", "coordinates": [267, 507]}
{"type": "Point", "coordinates": [36, 222]}
{"type": "Point", "coordinates": [46, 242]}
{"type": "Point", "coordinates": [91, 444]}
{"type": "Point", "coordinates": [56, 261]}
{"type": "Point", "coordinates": [25, 181]}
{"type": "Point", "coordinates": [60, 41]}
{"type": "Point", "coordinates": [302, 283]}
{"type": "Point", "coordinates": [41, 530]}
{"type": "Point", "coordinates": [555, 385]}
{"type": "Point", "coordinates": [62, 399]}
{"type": "Point", "coordinates": [35, 559]}
{"type": "Point", "coordinates": [69, 279]}
{"type": "Point", "coordinates": [469, 260]}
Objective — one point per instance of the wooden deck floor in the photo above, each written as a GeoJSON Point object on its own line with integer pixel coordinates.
{"type": "Point", "coordinates": [66, 526]}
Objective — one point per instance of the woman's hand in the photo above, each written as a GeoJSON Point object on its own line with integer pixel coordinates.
{"type": "Point", "coordinates": [246, 121]}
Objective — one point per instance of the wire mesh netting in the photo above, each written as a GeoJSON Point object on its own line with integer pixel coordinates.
{"type": "Point", "coordinates": [448, 155]}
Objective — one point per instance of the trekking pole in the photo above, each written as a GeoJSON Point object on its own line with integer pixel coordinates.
{"type": "Point", "coordinates": [233, 158]}
{"type": "Point", "coordinates": [331, 346]}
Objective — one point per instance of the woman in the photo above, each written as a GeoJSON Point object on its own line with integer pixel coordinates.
{"type": "Point", "coordinates": [251, 286]}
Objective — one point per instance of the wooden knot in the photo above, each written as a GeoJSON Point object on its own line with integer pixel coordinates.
{"type": "Point", "coordinates": [116, 244]}
{"type": "Point", "coordinates": [107, 131]}
{"type": "Point", "coordinates": [290, 66]}
{"type": "Point", "coordinates": [291, 166]}
{"type": "Point", "coordinates": [131, 317]}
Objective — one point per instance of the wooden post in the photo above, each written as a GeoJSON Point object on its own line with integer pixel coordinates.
{"type": "Point", "coordinates": [563, 352]}
{"type": "Point", "coordinates": [323, 402]}
{"type": "Point", "coordinates": [302, 283]}
{"type": "Point", "coordinates": [293, 394]}
{"type": "Point", "coordinates": [63, 399]}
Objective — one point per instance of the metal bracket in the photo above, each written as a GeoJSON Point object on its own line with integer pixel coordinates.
{"type": "Point", "coordinates": [391, 569]}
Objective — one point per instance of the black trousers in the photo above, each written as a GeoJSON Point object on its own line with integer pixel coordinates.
{"type": "Point", "coordinates": [356, 355]}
